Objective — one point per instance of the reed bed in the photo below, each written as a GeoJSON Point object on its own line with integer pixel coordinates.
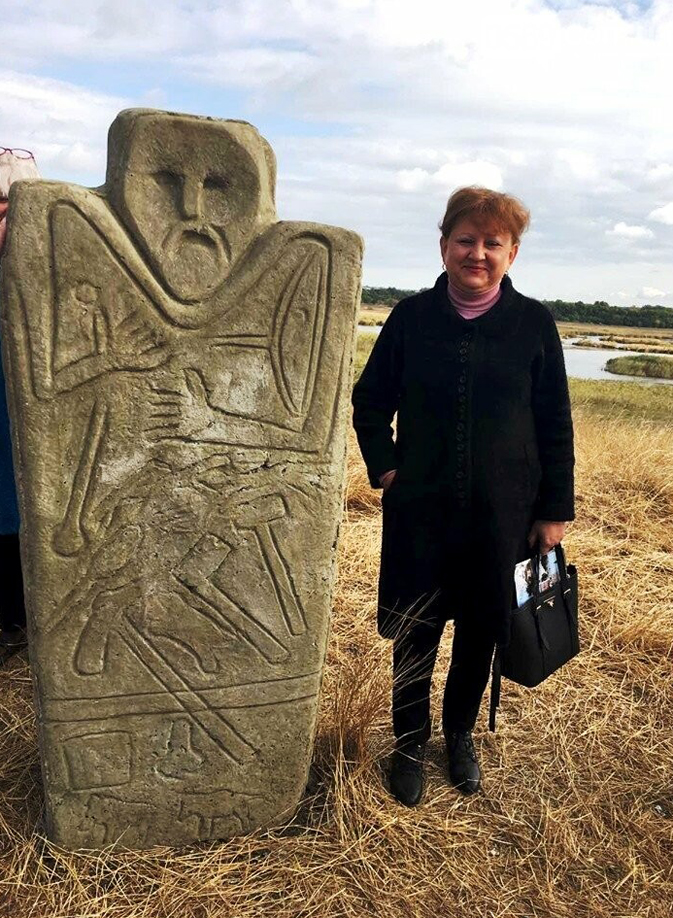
{"type": "Point", "coordinates": [576, 814]}
{"type": "Point", "coordinates": [642, 365]}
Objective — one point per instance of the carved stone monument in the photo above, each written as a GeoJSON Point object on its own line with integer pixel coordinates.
{"type": "Point", "coordinates": [178, 367]}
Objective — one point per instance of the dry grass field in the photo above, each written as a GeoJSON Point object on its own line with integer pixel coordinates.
{"type": "Point", "coordinates": [373, 315]}
{"type": "Point", "coordinates": [575, 819]}
{"type": "Point", "coordinates": [619, 333]}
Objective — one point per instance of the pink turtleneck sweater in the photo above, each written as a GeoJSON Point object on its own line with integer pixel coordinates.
{"type": "Point", "coordinates": [470, 307]}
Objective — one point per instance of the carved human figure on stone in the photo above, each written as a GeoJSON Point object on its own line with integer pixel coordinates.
{"type": "Point", "coordinates": [181, 368]}
{"type": "Point", "coordinates": [247, 366]}
{"type": "Point", "coordinates": [193, 213]}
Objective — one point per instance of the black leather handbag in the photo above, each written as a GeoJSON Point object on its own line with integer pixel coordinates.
{"type": "Point", "coordinates": [544, 633]}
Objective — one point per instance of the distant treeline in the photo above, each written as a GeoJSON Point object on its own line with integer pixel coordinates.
{"type": "Point", "coordinates": [384, 296]}
{"type": "Point", "coordinates": [602, 313]}
{"type": "Point", "coordinates": [598, 313]}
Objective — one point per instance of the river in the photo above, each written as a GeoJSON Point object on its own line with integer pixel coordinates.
{"type": "Point", "coordinates": [581, 362]}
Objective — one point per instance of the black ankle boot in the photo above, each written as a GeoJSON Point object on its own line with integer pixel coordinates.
{"type": "Point", "coordinates": [463, 765]}
{"type": "Point", "coordinates": [406, 773]}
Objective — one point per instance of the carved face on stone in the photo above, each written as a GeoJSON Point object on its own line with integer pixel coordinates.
{"type": "Point", "coordinates": [194, 194]}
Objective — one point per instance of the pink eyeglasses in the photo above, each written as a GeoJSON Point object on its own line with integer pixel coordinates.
{"type": "Point", "coordinates": [17, 152]}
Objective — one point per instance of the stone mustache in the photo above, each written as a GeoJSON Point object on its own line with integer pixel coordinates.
{"type": "Point", "coordinates": [179, 367]}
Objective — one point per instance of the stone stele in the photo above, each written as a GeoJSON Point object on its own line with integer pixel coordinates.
{"type": "Point", "coordinates": [178, 366]}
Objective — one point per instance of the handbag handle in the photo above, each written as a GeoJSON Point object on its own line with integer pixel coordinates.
{"type": "Point", "coordinates": [565, 583]}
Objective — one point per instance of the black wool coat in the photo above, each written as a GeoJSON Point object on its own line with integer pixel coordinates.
{"type": "Point", "coordinates": [484, 444]}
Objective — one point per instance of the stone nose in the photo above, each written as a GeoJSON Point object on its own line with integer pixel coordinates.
{"type": "Point", "coordinates": [191, 199]}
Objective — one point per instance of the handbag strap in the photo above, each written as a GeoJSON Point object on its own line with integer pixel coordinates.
{"type": "Point", "coordinates": [536, 561]}
{"type": "Point", "coordinates": [565, 582]}
{"type": "Point", "coordinates": [496, 681]}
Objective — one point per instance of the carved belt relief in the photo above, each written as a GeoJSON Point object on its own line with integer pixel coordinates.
{"type": "Point", "coordinates": [187, 364]}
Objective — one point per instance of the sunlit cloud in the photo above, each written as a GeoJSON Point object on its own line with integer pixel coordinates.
{"type": "Point", "coordinates": [625, 231]}
{"type": "Point", "coordinates": [663, 214]}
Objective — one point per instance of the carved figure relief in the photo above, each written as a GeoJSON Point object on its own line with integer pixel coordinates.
{"type": "Point", "coordinates": [179, 367]}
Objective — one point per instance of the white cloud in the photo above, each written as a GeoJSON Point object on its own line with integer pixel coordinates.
{"type": "Point", "coordinates": [650, 293]}
{"type": "Point", "coordinates": [255, 68]}
{"type": "Point", "coordinates": [416, 100]}
{"type": "Point", "coordinates": [450, 176]}
{"type": "Point", "coordinates": [580, 164]}
{"type": "Point", "coordinates": [479, 172]}
{"type": "Point", "coordinates": [413, 179]}
{"type": "Point", "coordinates": [663, 214]}
{"type": "Point", "coordinates": [627, 231]}
{"type": "Point", "coordinates": [64, 125]}
{"type": "Point", "coordinates": [662, 172]}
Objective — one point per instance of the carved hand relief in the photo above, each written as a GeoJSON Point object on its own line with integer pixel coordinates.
{"type": "Point", "coordinates": [178, 368]}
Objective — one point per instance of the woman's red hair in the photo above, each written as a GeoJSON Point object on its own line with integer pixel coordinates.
{"type": "Point", "coordinates": [503, 212]}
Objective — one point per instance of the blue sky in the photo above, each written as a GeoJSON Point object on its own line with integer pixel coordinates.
{"type": "Point", "coordinates": [377, 109]}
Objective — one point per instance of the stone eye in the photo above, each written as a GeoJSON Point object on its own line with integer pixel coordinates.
{"type": "Point", "coordinates": [169, 185]}
{"type": "Point", "coordinates": [215, 183]}
{"type": "Point", "coordinates": [167, 179]}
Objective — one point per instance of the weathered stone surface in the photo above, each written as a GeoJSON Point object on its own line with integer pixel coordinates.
{"type": "Point", "coordinates": [178, 368]}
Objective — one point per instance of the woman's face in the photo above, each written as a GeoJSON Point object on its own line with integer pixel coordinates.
{"type": "Point", "coordinates": [3, 207]}
{"type": "Point", "coordinates": [476, 257]}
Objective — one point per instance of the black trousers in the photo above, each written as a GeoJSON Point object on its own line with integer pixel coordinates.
{"type": "Point", "coordinates": [415, 650]}
{"type": "Point", "coordinates": [414, 654]}
{"type": "Point", "coordinates": [12, 609]}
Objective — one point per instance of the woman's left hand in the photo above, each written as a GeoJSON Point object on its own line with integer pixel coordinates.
{"type": "Point", "coordinates": [548, 533]}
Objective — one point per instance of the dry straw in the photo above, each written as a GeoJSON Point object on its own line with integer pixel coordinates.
{"type": "Point", "coordinates": [576, 816]}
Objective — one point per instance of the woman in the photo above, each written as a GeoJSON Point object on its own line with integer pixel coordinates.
{"type": "Point", "coordinates": [14, 165]}
{"type": "Point", "coordinates": [481, 470]}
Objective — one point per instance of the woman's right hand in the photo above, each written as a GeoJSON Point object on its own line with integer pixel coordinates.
{"type": "Point", "coordinates": [387, 479]}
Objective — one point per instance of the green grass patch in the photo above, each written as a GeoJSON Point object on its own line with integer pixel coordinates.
{"type": "Point", "coordinates": [649, 365]}
{"type": "Point", "coordinates": [628, 400]}
{"type": "Point", "coordinates": [365, 343]}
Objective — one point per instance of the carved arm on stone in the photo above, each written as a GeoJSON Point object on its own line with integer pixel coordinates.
{"type": "Point", "coordinates": [129, 343]}
{"type": "Point", "coordinates": [126, 344]}
{"type": "Point", "coordinates": [179, 413]}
